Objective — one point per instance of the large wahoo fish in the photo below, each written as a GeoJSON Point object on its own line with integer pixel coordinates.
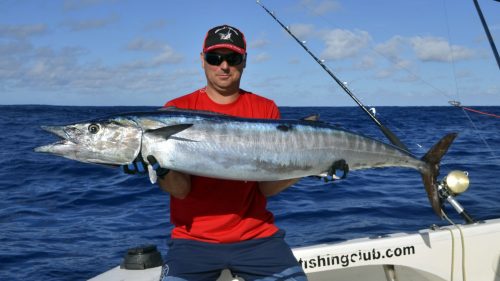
{"type": "Point", "coordinates": [219, 146]}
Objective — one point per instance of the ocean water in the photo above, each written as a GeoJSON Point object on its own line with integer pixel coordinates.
{"type": "Point", "coordinates": [65, 220]}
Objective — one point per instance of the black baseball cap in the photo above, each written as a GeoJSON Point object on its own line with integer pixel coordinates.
{"type": "Point", "coordinates": [225, 36]}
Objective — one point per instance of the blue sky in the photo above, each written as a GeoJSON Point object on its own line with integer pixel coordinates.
{"type": "Point", "coordinates": [124, 52]}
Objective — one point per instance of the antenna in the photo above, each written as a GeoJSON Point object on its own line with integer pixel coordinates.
{"type": "Point", "coordinates": [487, 31]}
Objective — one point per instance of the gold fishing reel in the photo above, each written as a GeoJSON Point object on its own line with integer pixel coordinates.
{"type": "Point", "coordinates": [456, 182]}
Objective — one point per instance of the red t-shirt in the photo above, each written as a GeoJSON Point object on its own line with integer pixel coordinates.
{"type": "Point", "coordinates": [223, 211]}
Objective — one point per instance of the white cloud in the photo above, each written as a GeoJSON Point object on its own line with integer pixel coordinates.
{"type": "Point", "coordinates": [341, 43]}
{"type": "Point", "coordinates": [261, 57]}
{"type": "Point", "coordinates": [22, 31]}
{"type": "Point", "coordinates": [167, 56]}
{"type": "Point", "coordinates": [91, 23]}
{"type": "Point", "coordinates": [366, 62]}
{"type": "Point", "coordinates": [321, 8]}
{"type": "Point", "coordinates": [73, 5]}
{"type": "Point", "coordinates": [325, 7]}
{"type": "Point", "coordinates": [13, 47]}
{"type": "Point", "coordinates": [391, 49]}
{"type": "Point", "coordinates": [67, 70]}
{"type": "Point", "coordinates": [438, 49]}
{"type": "Point", "coordinates": [155, 25]}
{"type": "Point", "coordinates": [303, 31]}
{"type": "Point", "coordinates": [140, 44]}
{"type": "Point", "coordinates": [259, 43]}
{"type": "Point", "coordinates": [384, 73]}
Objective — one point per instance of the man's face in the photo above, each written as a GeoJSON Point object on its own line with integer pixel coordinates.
{"type": "Point", "coordinates": [224, 78]}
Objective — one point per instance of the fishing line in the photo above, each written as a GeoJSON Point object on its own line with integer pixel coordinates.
{"type": "Point", "coordinates": [418, 77]}
{"type": "Point", "coordinates": [388, 133]}
{"type": "Point", "coordinates": [419, 147]}
{"type": "Point", "coordinates": [462, 240]}
{"type": "Point", "coordinates": [397, 63]}
{"type": "Point", "coordinates": [457, 92]}
{"type": "Point", "coordinates": [453, 66]}
{"type": "Point", "coordinates": [478, 132]}
{"type": "Point", "coordinates": [480, 112]}
{"type": "Point", "coordinates": [392, 60]}
{"type": "Point", "coordinates": [395, 140]}
{"type": "Point", "coordinates": [476, 129]}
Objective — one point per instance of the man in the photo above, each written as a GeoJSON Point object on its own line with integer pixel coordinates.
{"type": "Point", "coordinates": [221, 224]}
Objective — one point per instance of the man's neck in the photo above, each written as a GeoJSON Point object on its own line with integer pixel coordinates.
{"type": "Point", "coordinates": [222, 97]}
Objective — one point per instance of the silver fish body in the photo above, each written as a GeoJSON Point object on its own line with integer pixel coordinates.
{"type": "Point", "coordinates": [265, 150]}
{"type": "Point", "coordinates": [219, 146]}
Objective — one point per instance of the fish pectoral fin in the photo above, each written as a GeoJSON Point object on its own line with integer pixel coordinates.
{"type": "Point", "coordinates": [168, 131]}
{"type": "Point", "coordinates": [182, 139]}
{"type": "Point", "coordinates": [312, 118]}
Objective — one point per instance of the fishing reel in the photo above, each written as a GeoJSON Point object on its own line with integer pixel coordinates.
{"type": "Point", "coordinates": [455, 183]}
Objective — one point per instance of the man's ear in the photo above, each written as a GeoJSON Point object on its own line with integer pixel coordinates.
{"type": "Point", "coordinates": [202, 60]}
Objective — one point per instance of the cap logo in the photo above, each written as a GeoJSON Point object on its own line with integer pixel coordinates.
{"type": "Point", "coordinates": [224, 36]}
{"type": "Point", "coordinates": [227, 35]}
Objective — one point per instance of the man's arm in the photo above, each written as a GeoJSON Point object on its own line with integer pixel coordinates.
{"type": "Point", "coordinates": [176, 183]}
{"type": "Point", "coordinates": [270, 188]}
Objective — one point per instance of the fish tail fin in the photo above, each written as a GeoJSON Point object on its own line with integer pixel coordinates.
{"type": "Point", "coordinates": [429, 175]}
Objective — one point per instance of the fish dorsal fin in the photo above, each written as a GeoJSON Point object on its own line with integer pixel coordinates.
{"type": "Point", "coordinates": [312, 118]}
{"type": "Point", "coordinates": [177, 109]}
{"type": "Point", "coordinates": [168, 131]}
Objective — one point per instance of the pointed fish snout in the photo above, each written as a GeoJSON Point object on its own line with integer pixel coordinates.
{"type": "Point", "coordinates": [56, 130]}
{"type": "Point", "coordinates": [53, 147]}
{"type": "Point", "coordinates": [44, 149]}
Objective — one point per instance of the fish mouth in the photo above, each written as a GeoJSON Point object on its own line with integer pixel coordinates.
{"type": "Point", "coordinates": [56, 130]}
{"type": "Point", "coordinates": [55, 147]}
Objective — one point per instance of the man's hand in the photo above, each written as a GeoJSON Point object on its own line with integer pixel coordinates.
{"type": "Point", "coordinates": [160, 172]}
{"type": "Point", "coordinates": [136, 167]}
{"type": "Point", "coordinates": [331, 175]}
{"type": "Point", "coordinates": [139, 166]}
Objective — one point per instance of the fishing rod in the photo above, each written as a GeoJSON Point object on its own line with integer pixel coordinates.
{"type": "Point", "coordinates": [388, 133]}
{"type": "Point", "coordinates": [444, 189]}
{"type": "Point", "coordinates": [458, 104]}
{"type": "Point", "coordinates": [487, 31]}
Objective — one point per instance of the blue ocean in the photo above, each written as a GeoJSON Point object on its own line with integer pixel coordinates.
{"type": "Point", "coordinates": [65, 220]}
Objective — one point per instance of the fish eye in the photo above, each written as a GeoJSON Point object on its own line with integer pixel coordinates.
{"type": "Point", "coordinates": [94, 128]}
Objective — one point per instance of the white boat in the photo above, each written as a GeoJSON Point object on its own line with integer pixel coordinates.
{"type": "Point", "coordinates": [452, 253]}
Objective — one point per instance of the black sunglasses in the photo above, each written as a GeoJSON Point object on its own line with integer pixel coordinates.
{"type": "Point", "coordinates": [231, 58]}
